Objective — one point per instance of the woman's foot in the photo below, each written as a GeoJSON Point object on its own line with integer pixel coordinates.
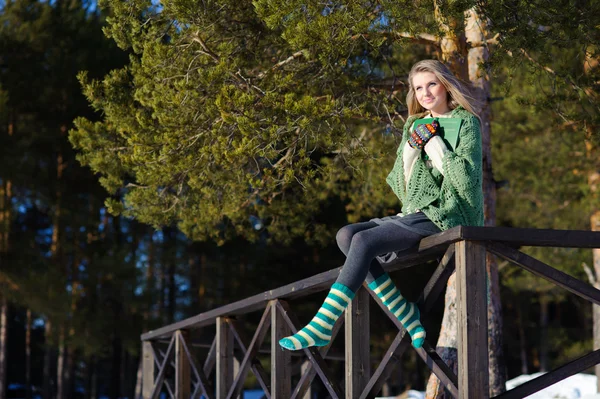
{"type": "Point", "coordinates": [407, 312]}
{"type": "Point", "coordinates": [318, 331]}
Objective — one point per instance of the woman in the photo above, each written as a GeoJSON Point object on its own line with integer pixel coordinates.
{"type": "Point", "coordinates": [436, 194]}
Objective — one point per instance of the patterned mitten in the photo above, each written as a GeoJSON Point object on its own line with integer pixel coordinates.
{"type": "Point", "coordinates": [422, 133]}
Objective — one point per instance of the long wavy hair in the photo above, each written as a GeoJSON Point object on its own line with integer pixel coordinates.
{"type": "Point", "coordinates": [459, 92]}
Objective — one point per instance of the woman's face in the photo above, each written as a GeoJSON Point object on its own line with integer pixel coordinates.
{"type": "Point", "coordinates": [430, 93]}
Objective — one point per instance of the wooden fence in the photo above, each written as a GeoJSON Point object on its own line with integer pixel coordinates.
{"type": "Point", "coordinates": [169, 363]}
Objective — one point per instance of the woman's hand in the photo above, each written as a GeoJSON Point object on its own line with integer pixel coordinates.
{"type": "Point", "coordinates": [422, 134]}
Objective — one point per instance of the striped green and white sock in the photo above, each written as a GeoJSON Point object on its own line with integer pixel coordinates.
{"type": "Point", "coordinates": [318, 331]}
{"type": "Point", "coordinates": [407, 312]}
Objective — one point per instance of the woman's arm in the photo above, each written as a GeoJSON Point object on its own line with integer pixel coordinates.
{"type": "Point", "coordinates": [437, 149]}
{"type": "Point", "coordinates": [409, 157]}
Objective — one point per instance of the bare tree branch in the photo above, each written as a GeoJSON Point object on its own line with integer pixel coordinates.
{"type": "Point", "coordinates": [291, 58]}
{"type": "Point", "coordinates": [589, 273]}
{"type": "Point", "coordinates": [423, 38]}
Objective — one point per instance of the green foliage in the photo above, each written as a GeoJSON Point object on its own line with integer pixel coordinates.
{"type": "Point", "coordinates": [232, 110]}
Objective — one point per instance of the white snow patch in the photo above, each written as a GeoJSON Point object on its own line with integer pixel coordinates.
{"type": "Point", "coordinates": [578, 386]}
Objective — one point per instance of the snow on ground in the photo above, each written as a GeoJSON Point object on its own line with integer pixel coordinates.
{"type": "Point", "coordinates": [578, 386]}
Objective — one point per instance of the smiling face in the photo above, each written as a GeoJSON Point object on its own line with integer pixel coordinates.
{"type": "Point", "coordinates": [430, 93]}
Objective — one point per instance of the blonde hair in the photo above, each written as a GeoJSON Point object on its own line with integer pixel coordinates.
{"type": "Point", "coordinates": [459, 92]}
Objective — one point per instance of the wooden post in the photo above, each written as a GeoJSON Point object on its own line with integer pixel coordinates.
{"type": "Point", "coordinates": [358, 356]}
{"type": "Point", "coordinates": [147, 369]}
{"type": "Point", "coordinates": [281, 359]}
{"type": "Point", "coordinates": [224, 370]}
{"type": "Point", "coordinates": [182, 366]}
{"type": "Point", "coordinates": [473, 372]}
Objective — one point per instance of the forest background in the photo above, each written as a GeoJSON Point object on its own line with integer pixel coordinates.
{"type": "Point", "coordinates": [211, 150]}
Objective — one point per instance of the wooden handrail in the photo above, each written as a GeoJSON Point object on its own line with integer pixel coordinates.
{"type": "Point", "coordinates": [466, 245]}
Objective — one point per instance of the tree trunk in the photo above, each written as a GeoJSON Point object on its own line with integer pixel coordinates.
{"type": "Point", "coordinates": [452, 43]}
{"type": "Point", "coordinates": [124, 389]}
{"type": "Point", "coordinates": [28, 355]}
{"type": "Point", "coordinates": [115, 385]}
{"type": "Point", "coordinates": [595, 226]}
{"type": "Point", "coordinates": [454, 54]}
{"type": "Point", "coordinates": [69, 370]}
{"type": "Point", "coordinates": [90, 380]}
{"type": "Point", "coordinates": [447, 344]}
{"type": "Point", "coordinates": [138, 380]}
{"type": "Point", "coordinates": [5, 222]}
{"type": "Point", "coordinates": [593, 182]}
{"type": "Point", "coordinates": [76, 288]}
{"type": "Point", "coordinates": [48, 360]}
{"type": "Point", "coordinates": [544, 303]}
{"type": "Point", "coordinates": [522, 340]}
{"type": "Point", "coordinates": [60, 365]}
{"type": "Point", "coordinates": [151, 283]}
{"type": "Point", "coordinates": [3, 341]}
{"type": "Point", "coordinates": [163, 286]}
{"type": "Point", "coordinates": [56, 256]}
{"type": "Point", "coordinates": [170, 250]}
{"type": "Point", "coordinates": [477, 34]}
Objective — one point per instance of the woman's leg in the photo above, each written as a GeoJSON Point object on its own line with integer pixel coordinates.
{"type": "Point", "coordinates": [369, 243]}
{"type": "Point", "coordinates": [366, 243]}
{"type": "Point", "coordinates": [344, 239]}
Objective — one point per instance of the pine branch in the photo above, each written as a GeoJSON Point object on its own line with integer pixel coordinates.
{"type": "Point", "coordinates": [423, 38]}
{"type": "Point", "coordinates": [546, 68]}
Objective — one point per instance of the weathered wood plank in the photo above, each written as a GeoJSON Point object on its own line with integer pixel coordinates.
{"type": "Point", "coordinates": [541, 269]}
{"type": "Point", "coordinates": [158, 382]}
{"type": "Point", "coordinates": [147, 369]}
{"type": "Point", "coordinates": [442, 239]}
{"type": "Point", "coordinates": [437, 282]}
{"type": "Point", "coordinates": [444, 373]}
{"type": "Point", "coordinates": [534, 237]}
{"type": "Point", "coordinates": [308, 371]}
{"type": "Point", "coordinates": [515, 236]}
{"type": "Point", "coordinates": [250, 353]}
{"type": "Point", "coordinates": [394, 355]}
{"type": "Point", "coordinates": [261, 375]}
{"type": "Point", "coordinates": [358, 353]}
{"type": "Point", "coordinates": [159, 356]}
{"type": "Point", "coordinates": [427, 353]}
{"type": "Point", "coordinates": [471, 303]}
{"type": "Point", "coordinates": [389, 361]}
{"type": "Point", "coordinates": [576, 366]}
{"type": "Point", "coordinates": [183, 381]}
{"type": "Point", "coordinates": [281, 370]}
{"type": "Point", "coordinates": [203, 386]}
{"type": "Point", "coordinates": [224, 371]}
{"type": "Point", "coordinates": [430, 294]}
{"type": "Point", "coordinates": [312, 353]}
{"type": "Point", "coordinates": [211, 358]}
{"type": "Point", "coordinates": [311, 285]}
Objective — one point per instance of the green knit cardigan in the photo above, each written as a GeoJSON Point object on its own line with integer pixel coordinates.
{"type": "Point", "coordinates": [454, 198]}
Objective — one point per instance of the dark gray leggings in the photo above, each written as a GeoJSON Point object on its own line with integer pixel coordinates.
{"type": "Point", "coordinates": [362, 242]}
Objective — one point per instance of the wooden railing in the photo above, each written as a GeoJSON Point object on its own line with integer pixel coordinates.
{"type": "Point", "coordinates": [170, 364]}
